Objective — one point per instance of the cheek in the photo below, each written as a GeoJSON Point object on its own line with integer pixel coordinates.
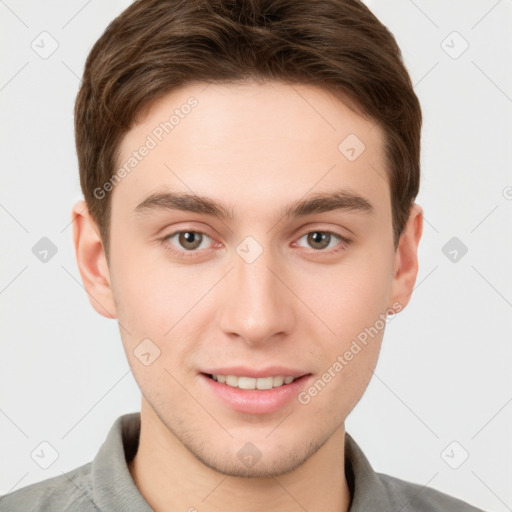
{"type": "Point", "coordinates": [162, 302]}
{"type": "Point", "coordinates": [148, 306]}
{"type": "Point", "coordinates": [342, 383]}
{"type": "Point", "coordinates": [146, 301]}
{"type": "Point", "coordinates": [152, 294]}
{"type": "Point", "coordinates": [347, 297]}
{"type": "Point", "coordinates": [352, 302]}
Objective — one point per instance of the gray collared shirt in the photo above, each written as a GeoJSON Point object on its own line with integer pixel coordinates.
{"type": "Point", "coordinates": [106, 485]}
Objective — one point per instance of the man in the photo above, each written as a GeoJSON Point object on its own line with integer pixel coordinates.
{"type": "Point", "coordinates": [249, 172]}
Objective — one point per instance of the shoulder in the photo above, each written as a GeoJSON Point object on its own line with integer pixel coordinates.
{"type": "Point", "coordinates": [378, 491]}
{"type": "Point", "coordinates": [69, 491]}
{"type": "Point", "coordinates": [418, 498]}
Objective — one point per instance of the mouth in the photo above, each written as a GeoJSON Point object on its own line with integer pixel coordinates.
{"type": "Point", "coordinates": [259, 394]}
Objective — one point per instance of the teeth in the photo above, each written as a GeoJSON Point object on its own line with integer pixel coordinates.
{"type": "Point", "coordinates": [265, 383]}
{"type": "Point", "coordinates": [245, 382]}
{"type": "Point", "coordinates": [253, 383]}
{"type": "Point", "coordinates": [231, 380]}
{"type": "Point", "coordinates": [278, 381]}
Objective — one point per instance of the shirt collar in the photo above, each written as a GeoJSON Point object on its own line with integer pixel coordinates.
{"type": "Point", "coordinates": [114, 488]}
{"type": "Point", "coordinates": [113, 485]}
{"type": "Point", "coordinates": [366, 487]}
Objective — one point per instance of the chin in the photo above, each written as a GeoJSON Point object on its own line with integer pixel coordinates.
{"type": "Point", "coordinates": [256, 465]}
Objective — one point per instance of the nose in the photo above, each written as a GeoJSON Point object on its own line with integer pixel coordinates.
{"type": "Point", "coordinates": [257, 306]}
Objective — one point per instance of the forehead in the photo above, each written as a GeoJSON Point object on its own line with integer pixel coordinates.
{"type": "Point", "coordinates": [238, 142]}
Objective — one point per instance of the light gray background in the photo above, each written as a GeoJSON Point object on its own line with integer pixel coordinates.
{"type": "Point", "coordinates": [445, 369]}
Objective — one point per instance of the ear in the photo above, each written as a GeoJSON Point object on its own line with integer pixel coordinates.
{"type": "Point", "coordinates": [92, 262]}
{"type": "Point", "coordinates": [406, 258]}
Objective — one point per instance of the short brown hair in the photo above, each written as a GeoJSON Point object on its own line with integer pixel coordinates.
{"type": "Point", "coordinates": [155, 46]}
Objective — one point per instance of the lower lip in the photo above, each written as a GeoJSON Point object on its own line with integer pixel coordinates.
{"type": "Point", "coordinates": [254, 401]}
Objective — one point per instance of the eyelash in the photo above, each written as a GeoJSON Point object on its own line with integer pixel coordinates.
{"type": "Point", "coordinates": [343, 242]}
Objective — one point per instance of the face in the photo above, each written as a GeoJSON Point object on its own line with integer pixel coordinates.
{"type": "Point", "coordinates": [253, 238]}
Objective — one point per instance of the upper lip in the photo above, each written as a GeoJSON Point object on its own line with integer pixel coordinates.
{"type": "Point", "coordinates": [244, 371]}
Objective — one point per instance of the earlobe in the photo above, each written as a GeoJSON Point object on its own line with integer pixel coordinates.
{"type": "Point", "coordinates": [406, 258]}
{"type": "Point", "coordinates": [91, 261]}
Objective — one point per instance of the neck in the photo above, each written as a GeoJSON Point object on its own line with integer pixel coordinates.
{"type": "Point", "coordinates": [169, 477]}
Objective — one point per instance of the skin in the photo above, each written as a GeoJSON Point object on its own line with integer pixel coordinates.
{"type": "Point", "coordinates": [254, 148]}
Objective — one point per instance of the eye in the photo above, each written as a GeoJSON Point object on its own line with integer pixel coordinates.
{"type": "Point", "coordinates": [188, 240]}
{"type": "Point", "coordinates": [321, 240]}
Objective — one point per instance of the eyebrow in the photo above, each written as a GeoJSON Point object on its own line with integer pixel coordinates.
{"type": "Point", "coordinates": [318, 203]}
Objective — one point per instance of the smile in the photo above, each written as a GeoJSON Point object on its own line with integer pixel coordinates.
{"type": "Point", "coordinates": [262, 383]}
